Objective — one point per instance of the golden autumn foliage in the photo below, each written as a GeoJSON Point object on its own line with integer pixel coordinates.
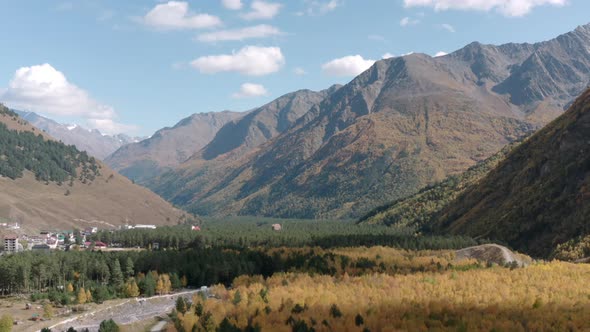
{"type": "Point", "coordinates": [544, 296]}
{"type": "Point", "coordinates": [131, 288]}
{"type": "Point", "coordinates": [82, 297]}
{"type": "Point", "coordinates": [163, 285]}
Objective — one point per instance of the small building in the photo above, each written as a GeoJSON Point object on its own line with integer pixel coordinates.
{"type": "Point", "coordinates": [276, 227]}
{"type": "Point", "coordinates": [97, 245]}
{"type": "Point", "coordinates": [10, 243]}
{"type": "Point", "coordinates": [90, 230]}
{"type": "Point", "coordinates": [145, 227]}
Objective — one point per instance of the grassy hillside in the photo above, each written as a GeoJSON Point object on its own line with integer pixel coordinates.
{"type": "Point", "coordinates": [539, 196]}
{"type": "Point", "coordinates": [419, 209]}
{"type": "Point", "coordinates": [46, 184]}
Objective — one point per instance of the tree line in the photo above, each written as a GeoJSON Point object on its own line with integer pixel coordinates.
{"type": "Point", "coordinates": [256, 232]}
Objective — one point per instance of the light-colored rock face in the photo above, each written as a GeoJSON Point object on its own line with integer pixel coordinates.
{"type": "Point", "coordinates": [492, 253]}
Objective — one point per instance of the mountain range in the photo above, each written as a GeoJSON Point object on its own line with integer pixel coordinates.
{"type": "Point", "coordinates": [403, 124]}
{"type": "Point", "coordinates": [169, 147]}
{"type": "Point", "coordinates": [49, 185]}
{"type": "Point", "coordinates": [90, 140]}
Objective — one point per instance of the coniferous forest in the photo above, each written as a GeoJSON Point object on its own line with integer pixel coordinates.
{"type": "Point", "coordinates": [48, 160]}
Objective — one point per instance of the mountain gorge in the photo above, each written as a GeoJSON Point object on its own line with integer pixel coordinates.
{"type": "Point", "coordinates": [91, 141]}
{"type": "Point", "coordinates": [404, 123]}
{"type": "Point", "coordinates": [49, 185]}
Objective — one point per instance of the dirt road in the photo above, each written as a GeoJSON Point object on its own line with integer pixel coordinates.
{"type": "Point", "coordinates": [123, 313]}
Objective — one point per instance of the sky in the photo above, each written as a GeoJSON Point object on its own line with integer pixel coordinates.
{"type": "Point", "coordinates": [136, 66]}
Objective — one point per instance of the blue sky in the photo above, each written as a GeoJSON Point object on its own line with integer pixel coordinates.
{"type": "Point", "coordinates": [137, 66]}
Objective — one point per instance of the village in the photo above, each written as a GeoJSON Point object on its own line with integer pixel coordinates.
{"type": "Point", "coordinates": [47, 240]}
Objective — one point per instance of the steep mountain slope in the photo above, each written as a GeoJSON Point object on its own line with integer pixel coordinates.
{"type": "Point", "coordinates": [242, 138]}
{"type": "Point", "coordinates": [419, 209]}
{"type": "Point", "coordinates": [539, 196]}
{"type": "Point", "coordinates": [261, 124]}
{"type": "Point", "coordinates": [168, 147]}
{"type": "Point", "coordinates": [46, 184]}
{"type": "Point", "coordinates": [91, 141]}
{"type": "Point", "coordinates": [404, 123]}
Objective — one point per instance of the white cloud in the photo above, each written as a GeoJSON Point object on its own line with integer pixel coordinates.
{"type": "Point", "coordinates": [317, 7]}
{"type": "Point", "coordinates": [46, 90]}
{"type": "Point", "coordinates": [409, 53]}
{"type": "Point", "coordinates": [299, 71]}
{"type": "Point", "coordinates": [506, 7]}
{"type": "Point", "coordinates": [232, 4]}
{"type": "Point", "coordinates": [406, 21]}
{"type": "Point", "coordinates": [448, 27]}
{"type": "Point", "coordinates": [440, 53]}
{"type": "Point", "coordinates": [351, 65]}
{"type": "Point", "coordinates": [387, 56]}
{"type": "Point", "coordinates": [176, 15]}
{"type": "Point", "coordinates": [258, 31]}
{"type": "Point", "coordinates": [109, 126]}
{"type": "Point", "coordinates": [248, 90]}
{"type": "Point", "coordinates": [261, 10]}
{"type": "Point", "coordinates": [249, 60]}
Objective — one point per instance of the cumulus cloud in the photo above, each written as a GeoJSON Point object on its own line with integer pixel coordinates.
{"type": "Point", "coordinates": [440, 53]}
{"type": "Point", "coordinates": [248, 90]}
{"type": "Point", "coordinates": [46, 90]}
{"type": "Point", "coordinates": [351, 65]}
{"type": "Point", "coordinates": [109, 126]}
{"type": "Point", "coordinates": [249, 60]}
{"type": "Point", "coordinates": [258, 31]}
{"type": "Point", "coordinates": [262, 10]}
{"type": "Point", "coordinates": [406, 21]}
{"type": "Point", "coordinates": [506, 7]}
{"type": "Point", "coordinates": [176, 15]}
{"type": "Point", "coordinates": [232, 4]}
{"type": "Point", "coordinates": [299, 71]}
{"type": "Point", "coordinates": [448, 27]}
{"type": "Point", "coordinates": [387, 56]}
{"type": "Point", "coordinates": [317, 7]}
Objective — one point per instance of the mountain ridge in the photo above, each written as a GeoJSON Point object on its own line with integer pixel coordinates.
{"type": "Point", "coordinates": [61, 191]}
{"type": "Point", "coordinates": [169, 146]}
{"type": "Point", "coordinates": [404, 123]}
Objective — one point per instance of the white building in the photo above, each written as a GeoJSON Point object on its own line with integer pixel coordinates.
{"type": "Point", "coordinates": [145, 226]}
{"type": "Point", "coordinates": [11, 243]}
